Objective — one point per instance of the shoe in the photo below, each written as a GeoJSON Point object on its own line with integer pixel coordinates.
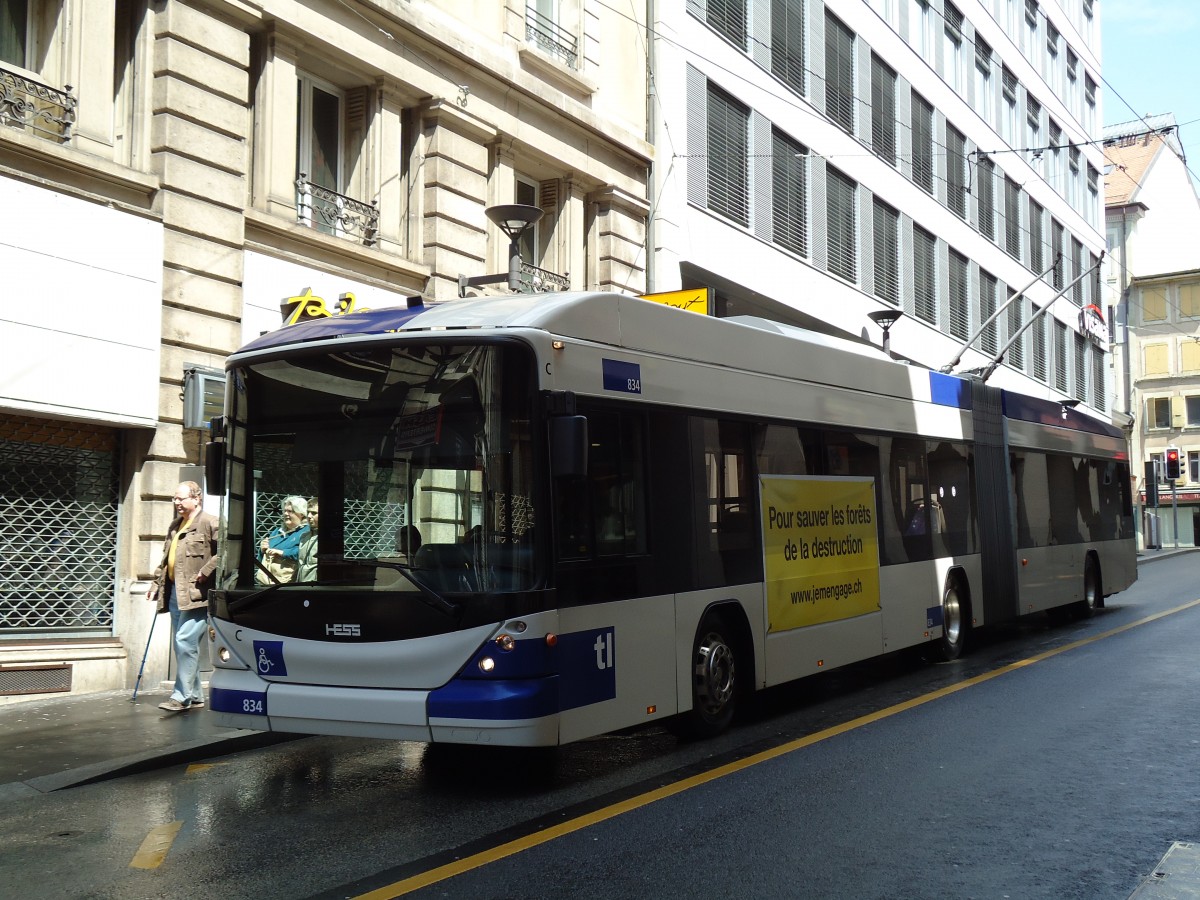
{"type": "Point", "coordinates": [173, 706]}
{"type": "Point", "coordinates": [197, 704]}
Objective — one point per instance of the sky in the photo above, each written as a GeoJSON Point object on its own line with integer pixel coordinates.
{"type": "Point", "coordinates": [1150, 61]}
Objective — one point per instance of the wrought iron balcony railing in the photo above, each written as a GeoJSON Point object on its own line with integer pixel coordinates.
{"type": "Point", "coordinates": [334, 213]}
{"type": "Point", "coordinates": [35, 107]}
{"type": "Point", "coordinates": [550, 37]}
{"type": "Point", "coordinates": [534, 280]}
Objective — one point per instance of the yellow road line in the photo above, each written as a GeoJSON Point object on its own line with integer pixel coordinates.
{"type": "Point", "coordinates": [156, 846]}
{"type": "Point", "coordinates": [511, 848]}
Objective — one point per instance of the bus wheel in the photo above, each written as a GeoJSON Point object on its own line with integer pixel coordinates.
{"type": "Point", "coordinates": [954, 622]}
{"type": "Point", "coordinates": [1093, 592]}
{"type": "Point", "coordinates": [714, 681]}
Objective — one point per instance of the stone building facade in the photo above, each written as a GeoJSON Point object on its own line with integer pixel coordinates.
{"type": "Point", "coordinates": [180, 169]}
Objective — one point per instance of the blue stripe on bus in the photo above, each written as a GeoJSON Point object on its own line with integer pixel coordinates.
{"type": "Point", "coordinates": [498, 700]}
{"type": "Point", "coordinates": [949, 390]}
{"type": "Point", "coordinates": [375, 321]}
{"type": "Point", "coordinates": [1050, 412]}
{"type": "Point", "coordinates": [246, 703]}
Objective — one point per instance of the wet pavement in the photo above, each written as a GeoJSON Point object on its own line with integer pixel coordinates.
{"type": "Point", "coordinates": [60, 742]}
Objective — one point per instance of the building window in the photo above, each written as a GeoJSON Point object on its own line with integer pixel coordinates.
{"type": "Point", "coordinates": [1076, 272]}
{"type": "Point", "coordinates": [887, 252]}
{"type": "Point", "coordinates": [956, 171]}
{"type": "Point", "coordinates": [842, 224]}
{"type": "Point", "coordinates": [728, 177]}
{"type": "Point", "coordinates": [925, 275]}
{"type": "Point", "coordinates": [1089, 98]}
{"type": "Point", "coordinates": [1189, 355]}
{"type": "Point", "coordinates": [883, 110]}
{"type": "Point", "coordinates": [1031, 28]}
{"type": "Point", "coordinates": [953, 49]}
{"type": "Point", "coordinates": [960, 301]}
{"type": "Point", "coordinates": [989, 341]}
{"type": "Point", "coordinates": [1099, 394]}
{"type": "Point", "coordinates": [1008, 124]}
{"type": "Point", "coordinates": [1057, 277]}
{"type": "Point", "coordinates": [922, 143]}
{"type": "Point", "coordinates": [839, 72]}
{"type": "Point", "coordinates": [1158, 412]}
{"type": "Point", "coordinates": [1055, 174]}
{"type": "Point", "coordinates": [1037, 333]}
{"type": "Point", "coordinates": [1060, 357]}
{"type": "Point", "coordinates": [728, 17]}
{"type": "Point", "coordinates": [525, 192]}
{"type": "Point", "coordinates": [1081, 346]}
{"type": "Point", "coordinates": [1189, 299]}
{"type": "Point", "coordinates": [1193, 466]}
{"type": "Point", "coordinates": [1073, 192]}
{"type": "Point", "coordinates": [1033, 119]}
{"type": "Point", "coordinates": [1012, 218]}
{"type": "Point", "coordinates": [1016, 353]}
{"type": "Point", "coordinates": [544, 29]}
{"type": "Point", "coordinates": [1154, 304]}
{"type": "Point", "coordinates": [789, 193]}
{"type": "Point", "coordinates": [1052, 70]}
{"type": "Point", "coordinates": [1156, 360]}
{"type": "Point", "coordinates": [787, 43]}
{"type": "Point", "coordinates": [1036, 258]}
{"type": "Point", "coordinates": [986, 172]}
{"type": "Point", "coordinates": [984, 101]}
{"type": "Point", "coordinates": [920, 28]}
{"type": "Point", "coordinates": [319, 133]}
{"type": "Point", "coordinates": [1093, 189]}
{"type": "Point", "coordinates": [14, 32]}
{"type": "Point", "coordinates": [1193, 411]}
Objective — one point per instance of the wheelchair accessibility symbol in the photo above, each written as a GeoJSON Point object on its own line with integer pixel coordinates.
{"type": "Point", "coordinates": [268, 659]}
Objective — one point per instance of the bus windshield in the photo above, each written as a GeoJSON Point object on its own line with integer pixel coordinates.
{"type": "Point", "coordinates": [406, 468]}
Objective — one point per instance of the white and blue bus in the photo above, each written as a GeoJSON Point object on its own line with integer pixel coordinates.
{"type": "Point", "coordinates": [547, 517]}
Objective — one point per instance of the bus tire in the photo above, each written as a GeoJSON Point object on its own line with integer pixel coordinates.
{"type": "Point", "coordinates": [714, 668]}
{"type": "Point", "coordinates": [1093, 589]}
{"type": "Point", "coordinates": [956, 614]}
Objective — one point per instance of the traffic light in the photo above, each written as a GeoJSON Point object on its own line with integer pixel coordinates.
{"type": "Point", "coordinates": [1172, 459]}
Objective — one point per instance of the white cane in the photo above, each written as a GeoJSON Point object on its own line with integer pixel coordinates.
{"type": "Point", "coordinates": [145, 653]}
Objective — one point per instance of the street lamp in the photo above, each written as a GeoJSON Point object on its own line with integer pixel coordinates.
{"type": "Point", "coordinates": [514, 219]}
{"type": "Point", "coordinates": [885, 319]}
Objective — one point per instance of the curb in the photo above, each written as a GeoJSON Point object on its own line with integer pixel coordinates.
{"type": "Point", "coordinates": [1164, 554]}
{"type": "Point", "coordinates": [134, 764]}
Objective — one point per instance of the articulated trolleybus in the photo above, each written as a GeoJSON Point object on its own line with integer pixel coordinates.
{"type": "Point", "coordinates": [542, 518]}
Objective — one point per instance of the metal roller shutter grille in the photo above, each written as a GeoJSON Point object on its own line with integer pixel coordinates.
{"type": "Point", "coordinates": [58, 526]}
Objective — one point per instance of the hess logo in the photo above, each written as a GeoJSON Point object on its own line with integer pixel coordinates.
{"type": "Point", "coordinates": [343, 630]}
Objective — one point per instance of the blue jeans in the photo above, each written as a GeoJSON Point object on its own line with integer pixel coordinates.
{"type": "Point", "coordinates": [187, 625]}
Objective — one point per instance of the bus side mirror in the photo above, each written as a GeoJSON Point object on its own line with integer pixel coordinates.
{"type": "Point", "coordinates": [569, 446]}
{"type": "Point", "coordinates": [214, 468]}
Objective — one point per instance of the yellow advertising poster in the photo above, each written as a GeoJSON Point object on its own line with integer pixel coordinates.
{"type": "Point", "coordinates": [821, 549]}
{"type": "Point", "coordinates": [693, 299]}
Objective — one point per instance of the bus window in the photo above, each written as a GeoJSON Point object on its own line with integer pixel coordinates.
{"type": "Point", "coordinates": [950, 467]}
{"type": "Point", "coordinates": [1031, 499]}
{"type": "Point", "coordinates": [605, 514]}
{"type": "Point", "coordinates": [726, 535]}
{"type": "Point", "coordinates": [785, 450]}
{"type": "Point", "coordinates": [1066, 525]}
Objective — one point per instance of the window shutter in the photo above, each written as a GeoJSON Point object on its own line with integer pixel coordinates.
{"type": "Point", "coordinates": [1037, 332]}
{"type": "Point", "coordinates": [1016, 353]}
{"type": "Point", "coordinates": [728, 188]}
{"type": "Point", "coordinates": [924, 275]}
{"type": "Point", "coordinates": [986, 173]}
{"type": "Point", "coordinates": [787, 43]}
{"type": "Point", "coordinates": [1081, 346]}
{"type": "Point", "coordinates": [922, 138]}
{"type": "Point", "coordinates": [960, 308]}
{"type": "Point", "coordinates": [842, 218]}
{"type": "Point", "coordinates": [1012, 218]}
{"type": "Point", "coordinates": [839, 73]}
{"type": "Point", "coordinates": [1060, 356]}
{"type": "Point", "coordinates": [886, 239]}
{"type": "Point", "coordinates": [990, 339]}
{"type": "Point", "coordinates": [1036, 243]}
{"type": "Point", "coordinates": [883, 110]}
{"type": "Point", "coordinates": [697, 137]}
{"type": "Point", "coordinates": [956, 175]}
{"type": "Point", "coordinates": [789, 193]}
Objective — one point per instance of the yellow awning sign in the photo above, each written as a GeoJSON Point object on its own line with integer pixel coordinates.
{"type": "Point", "coordinates": [692, 299]}
{"type": "Point", "coordinates": [820, 549]}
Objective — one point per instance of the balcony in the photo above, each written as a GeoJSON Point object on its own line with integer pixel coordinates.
{"type": "Point", "coordinates": [36, 108]}
{"type": "Point", "coordinates": [535, 280]}
{"type": "Point", "coordinates": [549, 37]}
{"type": "Point", "coordinates": [336, 214]}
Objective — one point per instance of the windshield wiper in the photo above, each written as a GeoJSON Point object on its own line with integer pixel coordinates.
{"type": "Point", "coordinates": [428, 594]}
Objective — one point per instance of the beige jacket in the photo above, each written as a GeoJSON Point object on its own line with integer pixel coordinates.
{"type": "Point", "coordinates": [195, 557]}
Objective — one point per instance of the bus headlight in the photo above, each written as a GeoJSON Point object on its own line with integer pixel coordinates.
{"type": "Point", "coordinates": [223, 654]}
{"type": "Point", "coordinates": [487, 664]}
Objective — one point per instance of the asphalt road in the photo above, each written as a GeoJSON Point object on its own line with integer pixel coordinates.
{"type": "Point", "coordinates": [1052, 762]}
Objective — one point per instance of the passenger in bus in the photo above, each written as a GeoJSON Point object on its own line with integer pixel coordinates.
{"type": "Point", "coordinates": [408, 541]}
{"type": "Point", "coordinates": [306, 569]}
{"type": "Point", "coordinates": [279, 551]}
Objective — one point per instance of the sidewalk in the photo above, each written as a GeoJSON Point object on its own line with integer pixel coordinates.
{"type": "Point", "coordinates": [47, 745]}
{"type": "Point", "coordinates": [1145, 556]}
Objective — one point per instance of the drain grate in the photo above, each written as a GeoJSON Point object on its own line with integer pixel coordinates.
{"type": "Point", "coordinates": [35, 679]}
